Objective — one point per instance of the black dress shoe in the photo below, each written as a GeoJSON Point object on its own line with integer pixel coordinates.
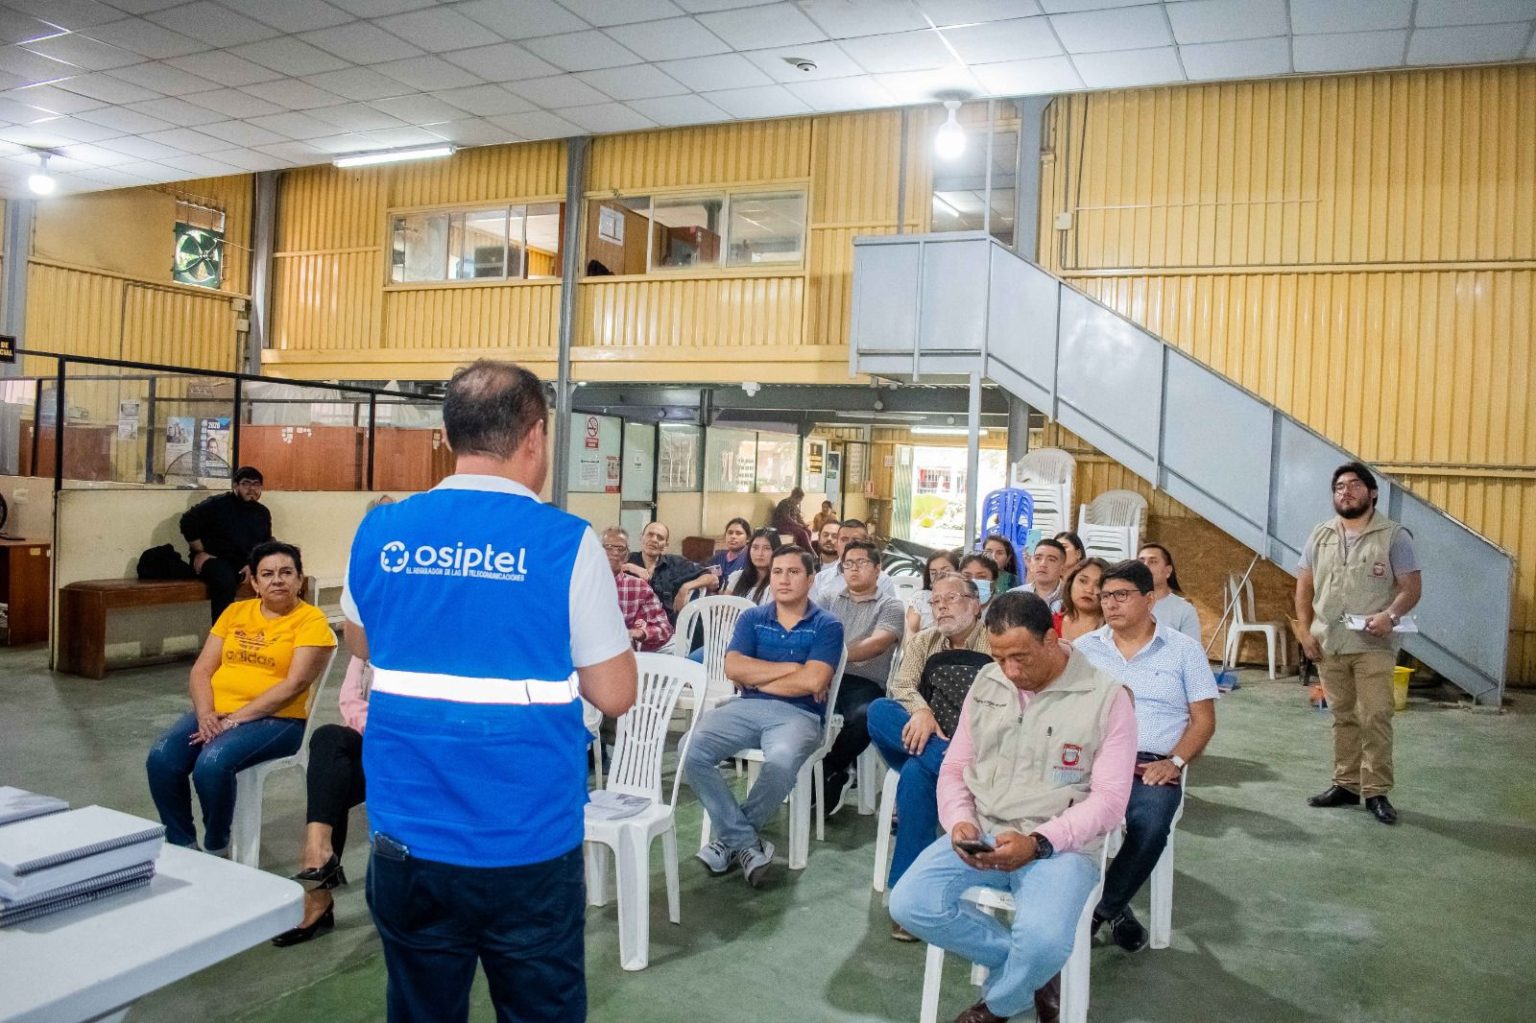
{"type": "Point", "coordinates": [324, 877]}
{"type": "Point", "coordinates": [1127, 932]}
{"type": "Point", "coordinates": [1335, 795]}
{"type": "Point", "coordinates": [299, 935]}
{"type": "Point", "coordinates": [1048, 1001]}
{"type": "Point", "coordinates": [1381, 809]}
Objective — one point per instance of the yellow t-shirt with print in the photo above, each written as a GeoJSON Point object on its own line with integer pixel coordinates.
{"type": "Point", "coordinates": [258, 651]}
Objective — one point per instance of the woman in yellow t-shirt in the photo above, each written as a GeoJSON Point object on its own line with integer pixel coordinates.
{"type": "Point", "coordinates": [248, 690]}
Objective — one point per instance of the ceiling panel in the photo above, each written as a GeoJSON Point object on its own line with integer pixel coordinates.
{"type": "Point", "coordinates": [132, 91]}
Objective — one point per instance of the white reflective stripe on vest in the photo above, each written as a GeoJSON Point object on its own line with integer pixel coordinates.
{"type": "Point", "coordinates": [463, 689]}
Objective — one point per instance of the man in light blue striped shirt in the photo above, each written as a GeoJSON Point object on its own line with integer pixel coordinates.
{"type": "Point", "coordinates": [1175, 717]}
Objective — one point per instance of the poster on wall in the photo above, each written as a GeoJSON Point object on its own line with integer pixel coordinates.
{"type": "Point", "coordinates": [596, 443]}
{"type": "Point", "coordinates": [677, 463]}
{"type": "Point", "coordinates": [610, 225]}
{"type": "Point", "coordinates": [178, 442]}
{"type": "Point", "coordinates": [127, 420]}
{"type": "Point", "coordinates": [815, 467]}
{"type": "Point", "coordinates": [215, 446]}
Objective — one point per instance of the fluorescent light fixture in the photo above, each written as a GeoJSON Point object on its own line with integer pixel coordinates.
{"type": "Point", "coordinates": [42, 183]}
{"type": "Point", "coordinates": [945, 431]}
{"type": "Point", "coordinates": [395, 155]}
{"type": "Point", "coordinates": [949, 143]}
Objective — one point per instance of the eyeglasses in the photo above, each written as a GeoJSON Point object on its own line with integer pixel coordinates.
{"type": "Point", "coordinates": [617, 548]}
{"type": "Point", "coordinates": [1117, 596]}
{"type": "Point", "coordinates": [1344, 488]}
{"type": "Point", "coordinates": [857, 563]}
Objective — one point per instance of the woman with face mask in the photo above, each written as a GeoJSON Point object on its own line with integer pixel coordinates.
{"type": "Point", "coordinates": [982, 571]}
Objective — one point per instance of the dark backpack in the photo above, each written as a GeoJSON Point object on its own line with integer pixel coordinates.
{"type": "Point", "coordinates": [164, 562]}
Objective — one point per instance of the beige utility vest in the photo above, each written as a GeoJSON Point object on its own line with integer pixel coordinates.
{"type": "Point", "coordinates": [1357, 581]}
{"type": "Point", "coordinates": [1029, 765]}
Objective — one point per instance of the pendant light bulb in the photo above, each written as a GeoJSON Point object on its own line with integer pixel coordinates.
{"type": "Point", "coordinates": [949, 143]}
{"type": "Point", "coordinates": [41, 182]}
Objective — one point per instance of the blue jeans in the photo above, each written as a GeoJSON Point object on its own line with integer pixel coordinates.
{"type": "Point", "coordinates": [212, 767]}
{"type": "Point", "coordinates": [787, 735]}
{"type": "Point", "coordinates": [1020, 957]}
{"type": "Point", "coordinates": [524, 925]}
{"type": "Point", "coordinates": [917, 794]}
{"type": "Point", "coordinates": [1148, 817]}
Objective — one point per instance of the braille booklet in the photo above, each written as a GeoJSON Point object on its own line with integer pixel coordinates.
{"type": "Point", "coordinates": [49, 852]}
{"type": "Point", "coordinates": [19, 804]}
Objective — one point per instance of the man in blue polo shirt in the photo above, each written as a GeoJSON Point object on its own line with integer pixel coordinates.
{"type": "Point", "coordinates": [1175, 717]}
{"type": "Point", "coordinates": [781, 658]}
{"type": "Point", "coordinates": [487, 615]}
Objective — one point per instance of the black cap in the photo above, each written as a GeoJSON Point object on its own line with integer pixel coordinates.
{"type": "Point", "coordinates": [248, 472]}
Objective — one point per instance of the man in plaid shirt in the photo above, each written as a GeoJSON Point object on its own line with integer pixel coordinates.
{"type": "Point", "coordinates": [649, 627]}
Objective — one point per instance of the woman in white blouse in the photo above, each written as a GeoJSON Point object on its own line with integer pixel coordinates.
{"type": "Point", "coordinates": [1168, 604]}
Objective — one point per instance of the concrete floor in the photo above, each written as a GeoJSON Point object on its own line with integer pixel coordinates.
{"type": "Point", "coordinates": [1281, 913]}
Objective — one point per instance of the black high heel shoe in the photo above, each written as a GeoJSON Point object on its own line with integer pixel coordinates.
{"type": "Point", "coordinates": [324, 877]}
{"type": "Point", "coordinates": [299, 935]}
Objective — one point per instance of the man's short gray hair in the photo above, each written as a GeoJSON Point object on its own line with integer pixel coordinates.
{"type": "Point", "coordinates": [617, 531]}
{"type": "Point", "coordinates": [963, 581]}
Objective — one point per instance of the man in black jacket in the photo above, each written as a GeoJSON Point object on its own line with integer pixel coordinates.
{"type": "Point", "coordinates": [222, 531]}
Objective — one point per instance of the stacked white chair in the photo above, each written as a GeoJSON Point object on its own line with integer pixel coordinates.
{"type": "Point", "coordinates": [1276, 634]}
{"type": "Point", "coordinates": [1110, 525]}
{"type": "Point", "coordinates": [808, 783]}
{"type": "Point", "coordinates": [718, 615]}
{"type": "Point", "coordinates": [1074, 975]}
{"type": "Point", "coordinates": [637, 761]}
{"type": "Point", "coordinates": [251, 783]}
{"type": "Point", "coordinates": [1047, 474]}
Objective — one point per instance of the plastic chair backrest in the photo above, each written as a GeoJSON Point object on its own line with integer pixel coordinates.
{"type": "Point", "coordinates": [905, 586]}
{"type": "Point", "coordinates": [1240, 594]}
{"type": "Point", "coordinates": [642, 731]}
{"type": "Point", "coordinates": [1009, 512]}
{"type": "Point", "coordinates": [718, 615]}
{"type": "Point", "coordinates": [1048, 465]}
{"type": "Point", "coordinates": [831, 705]}
{"type": "Point", "coordinates": [1117, 508]}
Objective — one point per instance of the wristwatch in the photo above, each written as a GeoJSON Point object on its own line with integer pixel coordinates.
{"type": "Point", "coordinates": [1395, 619]}
{"type": "Point", "coordinates": [1178, 761]}
{"type": "Point", "coordinates": [1044, 850]}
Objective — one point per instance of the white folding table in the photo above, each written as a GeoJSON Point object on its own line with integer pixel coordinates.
{"type": "Point", "coordinates": [94, 961]}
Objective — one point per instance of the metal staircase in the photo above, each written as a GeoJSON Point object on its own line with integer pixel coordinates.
{"type": "Point", "coordinates": [947, 305]}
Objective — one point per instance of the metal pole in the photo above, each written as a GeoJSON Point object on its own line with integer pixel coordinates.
{"type": "Point", "coordinates": [1018, 432]}
{"type": "Point", "coordinates": [58, 430]}
{"type": "Point", "coordinates": [234, 432]}
{"type": "Point", "coordinates": [575, 184]}
{"type": "Point", "coordinates": [263, 242]}
{"type": "Point", "coordinates": [373, 420]}
{"type": "Point", "coordinates": [13, 288]}
{"type": "Point", "coordinates": [1026, 178]}
{"type": "Point", "coordinates": [901, 175]}
{"type": "Point", "coordinates": [37, 423]}
{"type": "Point", "coordinates": [149, 435]}
{"type": "Point", "coordinates": [986, 209]}
{"type": "Point", "coordinates": [972, 461]}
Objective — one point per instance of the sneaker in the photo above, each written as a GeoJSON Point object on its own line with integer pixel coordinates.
{"type": "Point", "coordinates": [834, 791]}
{"type": "Point", "coordinates": [1127, 932]}
{"type": "Point", "coordinates": [716, 857]}
{"type": "Point", "coordinates": [755, 861]}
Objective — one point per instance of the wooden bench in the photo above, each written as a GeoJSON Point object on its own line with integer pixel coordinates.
{"type": "Point", "coordinates": [84, 608]}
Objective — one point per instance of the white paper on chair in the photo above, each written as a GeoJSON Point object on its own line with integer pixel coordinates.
{"type": "Point", "coordinates": [1357, 623]}
{"type": "Point", "coordinates": [614, 806]}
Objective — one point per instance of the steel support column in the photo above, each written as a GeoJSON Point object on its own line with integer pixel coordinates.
{"type": "Point", "coordinates": [575, 184]}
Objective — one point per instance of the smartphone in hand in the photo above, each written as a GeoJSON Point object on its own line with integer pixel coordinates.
{"type": "Point", "coordinates": [974, 846]}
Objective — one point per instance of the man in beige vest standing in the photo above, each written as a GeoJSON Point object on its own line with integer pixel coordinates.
{"type": "Point", "coordinates": [1038, 771]}
{"type": "Point", "coordinates": [1359, 564]}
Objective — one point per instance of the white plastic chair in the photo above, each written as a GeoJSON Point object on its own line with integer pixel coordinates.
{"type": "Point", "coordinates": [1046, 475]}
{"type": "Point", "coordinates": [250, 784]}
{"type": "Point", "coordinates": [1074, 975]}
{"type": "Point", "coordinates": [1110, 525]}
{"type": "Point", "coordinates": [808, 782]}
{"type": "Point", "coordinates": [637, 756]}
{"type": "Point", "coordinates": [883, 828]}
{"type": "Point", "coordinates": [870, 767]}
{"type": "Point", "coordinates": [1240, 598]}
{"type": "Point", "coordinates": [1162, 874]}
{"type": "Point", "coordinates": [718, 614]}
{"type": "Point", "coordinates": [903, 586]}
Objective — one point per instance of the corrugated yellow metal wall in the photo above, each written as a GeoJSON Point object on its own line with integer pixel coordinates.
{"type": "Point", "coordinates": [330, 287]}
{"type": "Point", "coordinates": [143, 316]}
{"type": "Point", "coordinates": [1360, 250]}
{"type": "Point", "coordinates": [710, 312]}
{"type": "Point", "coordinates": [716, 154]}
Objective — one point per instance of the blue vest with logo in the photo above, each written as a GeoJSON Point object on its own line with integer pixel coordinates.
{"type": "Point", "coordinates": [475, 751]}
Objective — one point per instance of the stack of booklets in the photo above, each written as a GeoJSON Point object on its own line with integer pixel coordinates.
{"type": "Point", "coordinates": [57, 860]}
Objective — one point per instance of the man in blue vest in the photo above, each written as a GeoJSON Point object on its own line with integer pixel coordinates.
{"type": "Point", "coordinates": [487, 615]}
